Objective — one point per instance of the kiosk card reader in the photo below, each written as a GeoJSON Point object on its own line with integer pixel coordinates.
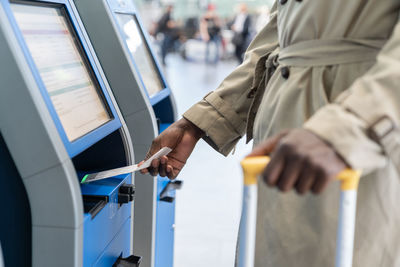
{"type": "Point", "coordinates": [59, 121]}
{"type": "Point", "coordinates": [148, 107]}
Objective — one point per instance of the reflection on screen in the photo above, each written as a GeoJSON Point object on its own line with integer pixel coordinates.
{"type": "Point", "coordinates": [62, 68]}
{"type": "Point", "coordinates": [141, 53]}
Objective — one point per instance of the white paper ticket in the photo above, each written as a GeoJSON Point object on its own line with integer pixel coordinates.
{"type": "Point", "coordinates": [123, 170]}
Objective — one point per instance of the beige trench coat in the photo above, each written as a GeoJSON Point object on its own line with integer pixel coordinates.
{"type": "Point", "coordinates": [332, 67]}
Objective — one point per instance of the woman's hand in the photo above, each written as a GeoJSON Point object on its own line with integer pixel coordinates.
{"type": "Point", "coordinates": [182, 136]}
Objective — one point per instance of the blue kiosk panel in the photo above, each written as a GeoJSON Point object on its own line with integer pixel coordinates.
{"type": "Point", "coordinates": [101, 231]}
{"type": "Point", "coordinates": [71, 85]}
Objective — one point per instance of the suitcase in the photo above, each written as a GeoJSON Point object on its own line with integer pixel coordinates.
{"type": "Point", "coordinates": [252, 167]}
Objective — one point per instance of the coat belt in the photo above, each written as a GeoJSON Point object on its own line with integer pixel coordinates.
{"type": "Point", "coordinates": [311, 53]}
{"type": "Point", "coordinates": [324, 52]}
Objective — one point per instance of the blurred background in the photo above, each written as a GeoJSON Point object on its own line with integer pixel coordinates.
{"type": "Point", "coordinates": [189, 27]}
{"type": "Point", "coordinates": [199, 42]}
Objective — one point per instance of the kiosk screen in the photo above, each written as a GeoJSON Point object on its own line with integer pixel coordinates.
{"type": "Point", "coordinates": [57, 53]}
{"type": "Point", "coordinates": [141, 53]}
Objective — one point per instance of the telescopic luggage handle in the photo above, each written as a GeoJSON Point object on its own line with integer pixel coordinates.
{"type": "Point", "coordinates": [252, 168]}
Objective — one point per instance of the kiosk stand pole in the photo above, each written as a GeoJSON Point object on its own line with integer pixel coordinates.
{"type": "Point", "coordinates": [252, 167]}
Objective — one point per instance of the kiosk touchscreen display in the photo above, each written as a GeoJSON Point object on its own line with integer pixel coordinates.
{"type": "Point", "coordinates": [141, 53]}
{"type": "Point", "coordinates": [69, 81]}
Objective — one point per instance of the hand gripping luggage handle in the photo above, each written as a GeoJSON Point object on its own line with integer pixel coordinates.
{"type": "Point", "coordinates": [252, 168]}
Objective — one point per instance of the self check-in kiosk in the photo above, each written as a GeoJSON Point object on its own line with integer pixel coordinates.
{"type": "Point", "coordinates": [59, 121]}
{"type": "Point", "coordinates": [147, 105]}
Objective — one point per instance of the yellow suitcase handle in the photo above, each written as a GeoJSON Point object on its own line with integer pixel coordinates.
{"type": "Point", "coordinates": [253, 166]}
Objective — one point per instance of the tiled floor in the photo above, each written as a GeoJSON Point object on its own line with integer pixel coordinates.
{"type": "Point", "coordinates": [208, 206]}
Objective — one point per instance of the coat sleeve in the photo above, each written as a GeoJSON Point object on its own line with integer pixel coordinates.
{"type": "Point", "coordinates": [362, 124]}
{"type": "Point", "coordinates": [222, 114]}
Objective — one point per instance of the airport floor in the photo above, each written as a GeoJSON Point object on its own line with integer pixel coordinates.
{"type": "Point", "coordinates": [208, 205]}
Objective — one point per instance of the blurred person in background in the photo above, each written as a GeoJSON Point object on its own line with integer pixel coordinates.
{"type": "Point", "coordinates": [210, 31]}
{"type": "Point", "coordinates": [167, 27]}
{"type": "Point", "coordinates": [262, 18]}
{"type": "Point", "coordinates": [241, 28]}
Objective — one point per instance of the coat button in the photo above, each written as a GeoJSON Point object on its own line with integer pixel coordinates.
{"type": "Point", "coordinates": [285, 72]}
{"type": "Point", "coordinates": [251, 93]}
{"type": "Point", "coordinates": [282, 2]}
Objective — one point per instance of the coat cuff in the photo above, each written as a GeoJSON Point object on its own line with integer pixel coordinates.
{"type": "Point", "coordinates": [348, 134]}
{"type": "Point", "coordinates": [221, 125]}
